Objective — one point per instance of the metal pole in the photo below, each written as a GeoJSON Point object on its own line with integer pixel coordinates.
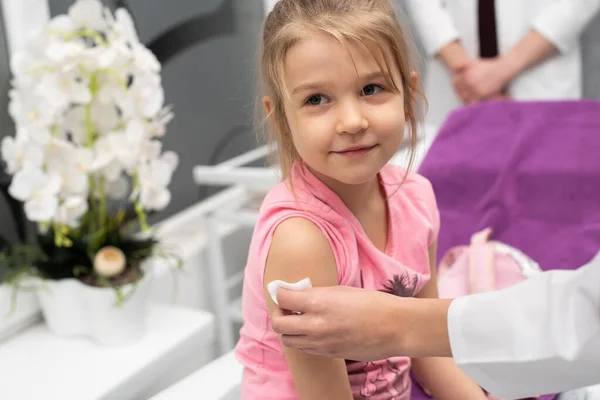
{"type": "Point", "coordinates": [219, 287]}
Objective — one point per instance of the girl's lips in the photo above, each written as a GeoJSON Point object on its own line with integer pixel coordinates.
{"type": "Point", "coordinates": [356, 152]}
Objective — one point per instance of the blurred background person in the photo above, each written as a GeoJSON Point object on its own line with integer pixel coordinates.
{"type": "Point", "coordinates": [481, 50]}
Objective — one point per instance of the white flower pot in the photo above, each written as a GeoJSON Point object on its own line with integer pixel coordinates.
{"type": "Point", "coordinates": [24, 314]}
{"type": "Point", "coordinates": [71, 308]}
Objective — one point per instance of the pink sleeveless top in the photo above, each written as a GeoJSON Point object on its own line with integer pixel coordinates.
{"type": "Point", "coordinates": [403, 269]}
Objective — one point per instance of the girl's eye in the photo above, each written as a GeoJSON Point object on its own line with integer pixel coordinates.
{"type": "Point", "coordinates": [316, 100]}
{"type": "Point", "coordinates": [372, 89]}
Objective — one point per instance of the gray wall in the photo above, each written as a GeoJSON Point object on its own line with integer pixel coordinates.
{"type": "Point", "coordinates": [591, 60]}
{"type": "Point", "coordinates": [210, 84]}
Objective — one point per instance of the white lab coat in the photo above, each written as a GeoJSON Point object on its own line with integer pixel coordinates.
{"type": "Point", "coordinates": [538, 337]}
{"type": "Point", "coordinates": [439, 22]}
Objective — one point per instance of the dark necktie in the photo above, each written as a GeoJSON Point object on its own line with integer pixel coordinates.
{"type": "Point", "coordinates": [488, 39]}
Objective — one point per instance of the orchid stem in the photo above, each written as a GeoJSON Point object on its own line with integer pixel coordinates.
{"type": "Point", "coordinates": [139, 210]}
{"type": "Point", "coordinates": [102, 193]}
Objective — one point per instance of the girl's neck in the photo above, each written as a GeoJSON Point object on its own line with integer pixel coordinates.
{"type": "Point", "coordinates": [355, 197]}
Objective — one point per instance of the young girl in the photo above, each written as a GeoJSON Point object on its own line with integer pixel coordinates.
{"type": "Point", "coordinates": [338, 88]}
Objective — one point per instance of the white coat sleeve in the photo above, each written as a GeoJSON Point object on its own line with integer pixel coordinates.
{"type": "Point", "coordinates": [563, 22]}
{"type": "Point", "coordinates": [433, 24]}
{"type": "Point", "coordinates": [541, 336]}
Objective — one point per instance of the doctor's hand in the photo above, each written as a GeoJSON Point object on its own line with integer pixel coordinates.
{"type": "Point", "coordinates": [337, 322]}
{"type": "Point", "coordinates": [481, 80]}
{"type": "Point", "coordinates": [361, 325]}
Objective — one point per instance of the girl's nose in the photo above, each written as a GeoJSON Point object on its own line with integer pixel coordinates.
{"type": "Point", "coordinates": [351, 119]}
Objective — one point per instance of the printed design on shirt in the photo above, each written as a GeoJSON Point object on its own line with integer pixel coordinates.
{"type": "Point", "coordinates": [379, 380]}
{"type": "Point", "coordinates": [402, 285]}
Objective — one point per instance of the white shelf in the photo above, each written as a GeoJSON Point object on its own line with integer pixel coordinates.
{"type": "Point", "coordinates": [38, 365]}
{"type": "Point", "coordinates": [219, 380]}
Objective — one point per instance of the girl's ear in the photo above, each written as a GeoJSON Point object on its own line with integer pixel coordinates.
{"type": "Point", "coordinates": [414, 80]}
{"type": "Point", "coordinates": [414, 84]}
{"type": "Point", "coordinates": [268, 105]}
{"type": "Point", "coordinates": [270, 117]}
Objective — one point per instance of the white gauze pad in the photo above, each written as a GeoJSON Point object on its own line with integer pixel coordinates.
{"type": "Point", "coordinates": [274, 286]}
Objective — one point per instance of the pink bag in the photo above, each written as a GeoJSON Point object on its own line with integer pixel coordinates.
{"type": "Point", "coordinates": [482, 266]}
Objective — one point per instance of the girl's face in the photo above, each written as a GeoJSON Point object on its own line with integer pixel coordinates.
{"type": "Point", "coordinates": [346, 123]}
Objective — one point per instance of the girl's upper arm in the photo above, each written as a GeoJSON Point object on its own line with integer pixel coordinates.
{"type": "Point", "coordinates": [430, 289]}
{"type": "Point", "coordinates": [299, 250]}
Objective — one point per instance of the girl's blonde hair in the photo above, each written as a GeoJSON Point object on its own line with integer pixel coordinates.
{"type": "Point", "coordinates": [370, 22]}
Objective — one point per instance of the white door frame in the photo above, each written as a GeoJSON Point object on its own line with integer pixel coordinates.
{"type": "Point", "coordinates": [19, 18]}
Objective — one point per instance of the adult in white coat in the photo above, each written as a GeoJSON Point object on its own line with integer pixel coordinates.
{"type": "Point", "coordinates": [539, 336]}
{"type": "Point", "coordinates": [539, 52]}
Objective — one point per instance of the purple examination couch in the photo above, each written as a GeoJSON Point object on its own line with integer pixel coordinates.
{"type": "Point", "coordinates": [530, 171]}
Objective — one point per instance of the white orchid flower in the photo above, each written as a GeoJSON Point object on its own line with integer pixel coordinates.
{"type": "Point", "coordinates": [71, 210]}
{"type": "Point", "coordinates": [57, 152]}
{"type": "Point", "coordinates": [159, 171]}
{"type": "Point", "coordinates": [149, 150]}
{"type": "Point", "coordinates": [75, 170]}
{"type": "Point", "coordinates": [40, 136]}
{"type": "Point", "coordinates": [88, 104]}
{"type": "Point", "coordinates": [153, 179]}
{"type": "Point", "coordinates": [26, 67]}
{"type": "Point", "coordinates": [88, 14]}
{"type": "Point", "coordinates": [135, 132]}
{"type": "Point", "coordinates": [106, 113]}
{"type": "Point", "coordinates": [123, 149]}
{"type": "Point", "coordinates": [171, 159]}
{"type": "Point", "coordinates": [105, 117]}
{"type": "Point", "coordinates": [59, 51]}
{"type": "Point", "coordinates": [157, 127]}
{"type": "Point", "coordinates": [30, 110]}
{"type": "Point", "coordinates": [124, 28]}
{"type": "Point", "coordinates": [126, 39]}
{"type": "Point", "coordinates": [109, 153]}
{"type": "Point", "coordinates": [105, 150]}
{"type": "Point", "coordinates": [73, 125]}
{"type": "Point", "coordinates": [21, 152]}
{"type": "Point", "coordinates": [111, 88]}
{"type": "Point", "coordinates": [63, 89]}
{"type": "Point", "coordinates": [61, 25]}
{"type": "Point", "coordinates": [145, 60]}
{"type": "Point", "coordinates": [38, 190]}
{"type": "Point", "coordinates": [143, 148]}
{"type": "Point", "coordinates": [96, 58]}
{"type": "Point", "coordinates": [153, 197]}
{"type": "Point", "coordinates": [145, 97]}
{"type": "Point", "coordinates": [71, 164]}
